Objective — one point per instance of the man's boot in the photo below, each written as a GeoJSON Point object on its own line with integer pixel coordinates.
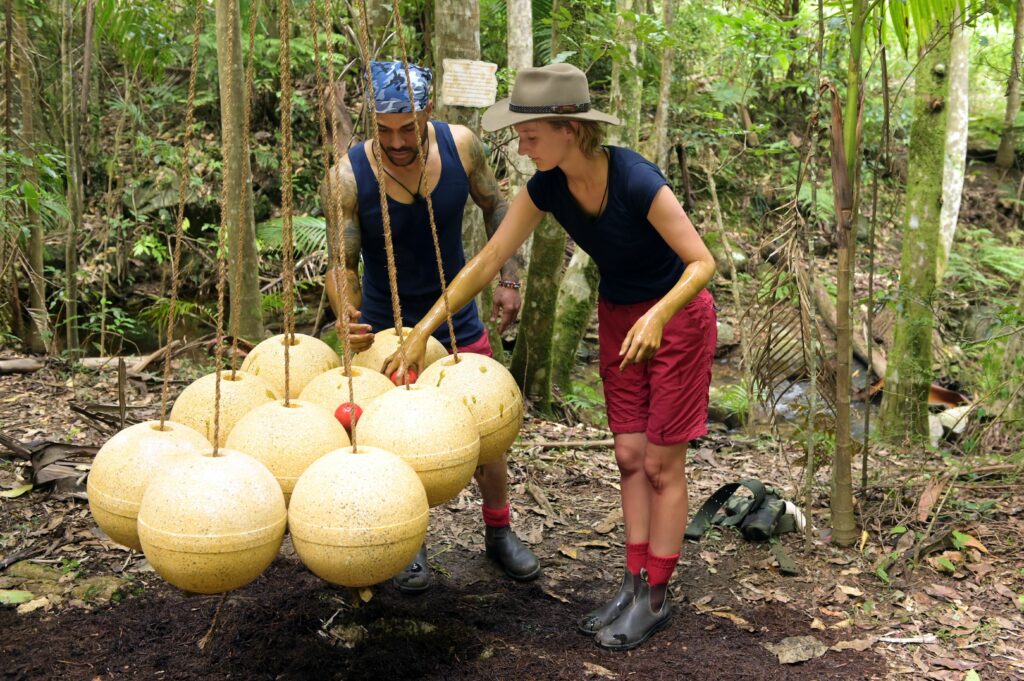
{"type": "Point", "coordinates": [508, 551]}
{"type": "Point", "coordinates": [415, 578]}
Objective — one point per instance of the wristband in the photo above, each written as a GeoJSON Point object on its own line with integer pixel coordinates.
{"type": "Point", "coordinates": [508, 283]}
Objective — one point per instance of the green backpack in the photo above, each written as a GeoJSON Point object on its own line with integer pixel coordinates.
{"type": "Point", "coordinates": [758, 518]}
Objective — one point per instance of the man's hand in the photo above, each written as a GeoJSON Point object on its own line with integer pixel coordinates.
{"type": "Point", "coordinates": [507, 303]}
{"type": "Point", "coordinates": [360, 336]}
{"type": "Point", "coordinates": [415, 352]}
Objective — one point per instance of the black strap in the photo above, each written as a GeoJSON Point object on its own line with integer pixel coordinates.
{"type": "Point", "coordinates": [702, 520]}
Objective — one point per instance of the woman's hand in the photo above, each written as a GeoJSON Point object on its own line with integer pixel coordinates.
{"type": "Point", "coordinates": [644, 339]}
{"type": "Point", "coordinates": [415, 349]}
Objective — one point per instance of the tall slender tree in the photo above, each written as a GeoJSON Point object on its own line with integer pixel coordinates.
{"type": "Point", "coordinates": [957, 124]}
{"type": "Point", "coordinates": [72, 150]}
{"type": "Point", "coordinates": [909, 374]}
{"type": "Point", "coordinates": [39, 330]}
{"type": "Point", "coordinates": [246, 306]}
{"type": "Point", "coordinates": [1008, 142]}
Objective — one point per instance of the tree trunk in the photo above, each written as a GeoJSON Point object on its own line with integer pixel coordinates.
{"type": "Point", "coordinates": [39, 331]}
{"type": "Point", "coordinates": [660, 145]}
{"type": "Point", "coordinates": [573, 311]}
{"type": "Point", "coordinates": [1008, 143]}
{"type": "Point", "coordinates": [246, 303]}
{"type": "Point", "coordinates": [531, 358]}
{"type": "Point", "coordinates": [74, 180]}
{"type": "Point", "coordinates": [845, 181]}
{"type": "Point", "coordinates": [909, 375]}
{"type": "Point", "coordinates": [626, 87]}
{"type": "Point", "coordinates": [956, 140]}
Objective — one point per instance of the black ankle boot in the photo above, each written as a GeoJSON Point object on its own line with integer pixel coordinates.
{"type": "Point", "coordinates": [415, 578]}
{"type": "Point", "coordinates": [508, 551]}
{"type": "Point", "coordinates": [636, 624]}
{"type": "Point", "coordinates": [598, 619]}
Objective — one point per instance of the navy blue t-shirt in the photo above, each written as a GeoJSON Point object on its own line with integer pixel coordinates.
{"type": "Point", "coordinates": [635, 262]}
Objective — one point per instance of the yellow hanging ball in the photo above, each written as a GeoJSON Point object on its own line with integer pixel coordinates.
{"type": "Point", "coordinates": [240, 392]}
{"type": "Point", "coordinates": [210, 524]}
{"type": "Point", "coordinates": [384, 345]}
{"type": "Point", "coordinates": [287, 439]}
{"type": "Point", "coordinates": [330, 389]}
{"type": "Point", "coordinates": [434, 432]}
{"type": "Point", "coordinates": [358, 518]}
{"type": "Point", "coordinates": [488, 389]}
{"type": "Point", "coordinates": [308, 357]}
{"type": "Point", "coordinates": [125, 466]}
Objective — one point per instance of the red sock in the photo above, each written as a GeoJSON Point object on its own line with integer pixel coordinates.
{"type": "Point", "coordinates": [636, 557]}
{"type": "Point", "coordinates": [660, 568]}
{"type": "Point", "coordinates": [497, 517]}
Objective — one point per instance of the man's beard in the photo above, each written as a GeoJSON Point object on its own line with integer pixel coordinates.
{"type": "Point", "coordinates": [403, 160]}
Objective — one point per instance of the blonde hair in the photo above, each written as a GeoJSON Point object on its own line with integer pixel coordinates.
{"type": "Point", "coordinates": [589, 134]}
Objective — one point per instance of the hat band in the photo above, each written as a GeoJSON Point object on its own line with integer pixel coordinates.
{"type": "Point", "coordinates": [550, 108]}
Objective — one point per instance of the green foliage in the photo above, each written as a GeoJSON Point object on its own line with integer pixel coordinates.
{"type": "Point", "coordinates": [309, 234]}
{"type": "Point", "coordinates": [157, 313]}
{"type": "Point", "coordinates": [981, 261]}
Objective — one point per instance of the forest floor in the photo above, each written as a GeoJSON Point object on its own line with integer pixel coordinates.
{"type": "Point", "coordinates": [96, 611]}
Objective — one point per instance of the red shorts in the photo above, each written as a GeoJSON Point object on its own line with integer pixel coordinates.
{"type": "Point", "coordinates": [481, 346]}
{"type": "Point", "coordinates": [665, 397]}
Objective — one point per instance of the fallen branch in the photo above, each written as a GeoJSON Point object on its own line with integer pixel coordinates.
{"type": "Point", "coordinates": [20, 366]}
{"type": "Point", "coordinates": [137, 364]}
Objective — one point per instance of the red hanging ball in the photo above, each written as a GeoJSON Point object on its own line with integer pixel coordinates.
{"type": "Point", "coordinates": [348, 413]}
{"type": "Point", "coordinates": [411, 374]}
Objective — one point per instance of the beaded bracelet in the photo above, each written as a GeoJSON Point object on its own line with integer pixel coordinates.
{"type": "Point", "coordinates": [508, 283]}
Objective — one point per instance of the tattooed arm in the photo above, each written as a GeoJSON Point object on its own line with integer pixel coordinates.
{"type": "Point", "coordinates": [486, 193]}
{"type": "Point", "coordinates": [347, 224]}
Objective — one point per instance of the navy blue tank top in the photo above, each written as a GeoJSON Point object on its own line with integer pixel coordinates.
{"type": "Point", "coordinates": [418, 282]}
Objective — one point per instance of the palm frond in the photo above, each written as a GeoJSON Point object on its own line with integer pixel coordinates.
{"type": "Point", "coordinates": [309, 234]}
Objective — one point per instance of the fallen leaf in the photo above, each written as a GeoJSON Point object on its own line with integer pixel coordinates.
{"type": "Point", "coordinates": [366, 594]}
{"type": "Point", "coordinates": [16, 492]}
{"type": "Point", "coordinates": [558, 597]}
{"type": "Point", "coordinates": [929, 496]}
{"type": "Point", "coordinates": [732, 617]}
{"type": "Point", "coordinates": [850, 590]}
{"type": "Point", "coordinates": [15, 597]}
{"type": "Point", "coordinates": [942, 591]}
{"type": "Point", "coordinates": [972, 676]}
{"type": "Point", "coordinates": [610, 522]}
{"type": "Point", "coordinates": [964, 540]}
{"type": "Point", "coordinates": [33, 605]}
{"type": "Point", "coordinates": [597, 670]}
{"type": "Point", "coordinates": [797, 649]}
{"type": "Point", "coordinates": [860, 644]}
{"type": "Point", "coordinates": [594, 545]}
{"type": "Point", "coordinates": [817, 624]}
{"type": "Point", "coordinates": [702, 601]}
{"type": "Point", "coordinates": [949, 663]}
{"type": "Point", "coordinates": [567, 551]}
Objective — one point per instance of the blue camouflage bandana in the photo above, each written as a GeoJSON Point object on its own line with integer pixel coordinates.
{"type": "Point", "coordinates": [390, 92]}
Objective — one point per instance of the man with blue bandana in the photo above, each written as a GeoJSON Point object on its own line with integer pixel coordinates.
{"type": "Point", "coordinates": [456, 170]}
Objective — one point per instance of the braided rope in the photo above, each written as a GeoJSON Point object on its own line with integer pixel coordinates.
{"type": "Point", "coordinates": [330, 151]}
{"type": "Point", "coordinates": [389, 249]}
{"type": "Point", "coordinates": [423, 175]}
{"type": "Point", "coordinates": [180, 218]}
{"type": "Point", "coordinates": [284, 29]}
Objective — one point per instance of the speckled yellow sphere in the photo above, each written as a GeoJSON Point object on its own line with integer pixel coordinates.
{"type": "Point", "coordinates": [287, 439]}
{"type": "Point", "coordinates": [240, 392]}
{"type": "Point", "coordinates": [357, 519]}
{"type": "Point", "coordinates": [125, 466]}
{"type": "Point", "coordinates": [384, 345]}
{"type": "Point", "coordinates": [434, 432]}
{"type": "Point", "coordinates": [488, 389]}
{"type": "Point", "coordinates": [210, 524]}
{"type": "Point", "coordinates": [330, 389]}
{"type": "Point", "coordinates": [308, 357]}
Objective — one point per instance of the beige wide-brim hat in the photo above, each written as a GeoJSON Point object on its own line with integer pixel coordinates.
{"type": "Point", "coordinates": [553, 91]}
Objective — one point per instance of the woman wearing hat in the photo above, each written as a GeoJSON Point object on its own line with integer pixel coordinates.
{"type": "Point", "coordinates": [657, 321]}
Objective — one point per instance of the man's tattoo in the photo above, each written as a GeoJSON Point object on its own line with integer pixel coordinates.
{"type": "Point", "coordinates": [487, 194]}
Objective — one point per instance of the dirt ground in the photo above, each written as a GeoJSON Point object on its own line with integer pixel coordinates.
{"type": "Point", "coordinates": [97, 611]}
